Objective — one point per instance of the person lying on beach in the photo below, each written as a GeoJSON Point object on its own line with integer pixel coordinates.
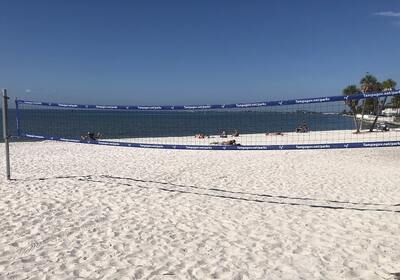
{"type": "Point", "coordinates": [274, 133]}
{"type": "Point", "coordinates": [235, 134]}
{"type": "Point", "coordinates": [226, 143]}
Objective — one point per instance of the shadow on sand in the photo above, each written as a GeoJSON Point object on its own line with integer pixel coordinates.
{"type": "Point", "coordinates": [236, 195]}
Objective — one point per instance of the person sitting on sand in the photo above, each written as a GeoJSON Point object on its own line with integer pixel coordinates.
{"type": "Point", "coordinates": [223, 134]}
{"type": "Point", "coordinates": [91, 136]}
{"type": "Point", "coordinates": [303, 128]}
{"type": "Point", "coordinates": [382, 127]}
{"type": "Point", "coordinates": [200, 135]}
{"type": "Point", "coordinates": [235, 133]}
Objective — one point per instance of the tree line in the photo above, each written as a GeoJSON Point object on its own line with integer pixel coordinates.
{"type": "Point", "coordinates": [372, 106]}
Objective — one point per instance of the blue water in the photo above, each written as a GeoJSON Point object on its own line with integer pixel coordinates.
{"type": "Point", "coordinates": [11, 123]}
{"type": "Point", "coordinates": [130, 124]}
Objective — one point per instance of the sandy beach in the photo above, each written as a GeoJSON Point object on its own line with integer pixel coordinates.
{"type": "Point", "coordinates": [78, 211]}
{"type": "Point", "coordinates": [274, 138]}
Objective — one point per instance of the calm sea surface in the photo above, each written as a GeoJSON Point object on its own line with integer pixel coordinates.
{"type": "Point", "coordinates": [130, 124]}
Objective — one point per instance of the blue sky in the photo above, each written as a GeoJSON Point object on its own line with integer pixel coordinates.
{"type": "Point", "coordinates": [180, 52]}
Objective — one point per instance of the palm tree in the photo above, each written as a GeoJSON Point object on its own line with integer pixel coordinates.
{"type": "Point", "coordinates": [369, 83]}
{"type": "Point", "coordinates": [391, 85]}
{"type": "Point", "coordinates": [396, 101]}
{"type": "Point", "coordinates": [351, 90]}
{"type": "Point", "coordinates": [387, 85]}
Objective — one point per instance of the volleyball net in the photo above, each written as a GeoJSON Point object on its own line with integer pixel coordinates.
{"type": "Point", "coordinates": [306, 123]}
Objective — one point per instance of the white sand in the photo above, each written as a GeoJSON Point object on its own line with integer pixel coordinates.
{"type": "Point", "coordinates": [313, 137]}
{"type": "Point", "coordinates": [94, 212]}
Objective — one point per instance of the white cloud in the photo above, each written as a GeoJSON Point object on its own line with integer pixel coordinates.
{"type": "Point", "coordinates": [388, 14]}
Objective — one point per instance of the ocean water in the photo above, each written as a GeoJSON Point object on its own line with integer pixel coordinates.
{"type": "Point", "coordinates": [131, 124]}
{"type": "Point", "coordinates": [11, 123]}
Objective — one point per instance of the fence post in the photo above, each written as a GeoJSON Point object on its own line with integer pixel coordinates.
{"type": "Point", "coordinates": [6, 135]}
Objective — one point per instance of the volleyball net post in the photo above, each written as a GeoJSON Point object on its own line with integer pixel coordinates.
{"type": "Point", "coordinates": [6, 135]}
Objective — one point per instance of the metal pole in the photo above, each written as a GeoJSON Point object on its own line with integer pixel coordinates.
{"type": "Point", "coordinates": [5, 132]}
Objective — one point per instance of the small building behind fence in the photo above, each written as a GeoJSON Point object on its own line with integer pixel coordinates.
{"type": "Point", "coordinates": [391, 112]}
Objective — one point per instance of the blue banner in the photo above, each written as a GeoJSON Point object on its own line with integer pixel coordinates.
{"type": "Point", "coordinates": [218, 106]}
{"type": "Point", "coordinates": [227, 147]}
